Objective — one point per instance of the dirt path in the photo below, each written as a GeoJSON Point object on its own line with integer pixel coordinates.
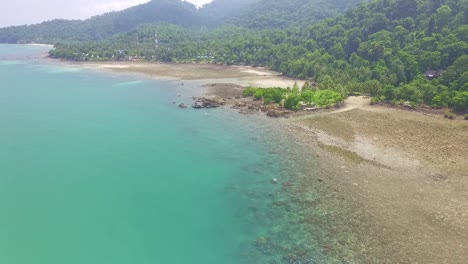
{"type": "Point", "coordinates": [354, 102]}
{"type": "Point", "coordinates": [351, 103]}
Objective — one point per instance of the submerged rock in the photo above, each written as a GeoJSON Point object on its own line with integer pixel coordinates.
{"type": "Point", "coordinates": [254, 107]}
{"type": "Point", "coordinates": [247, 112]}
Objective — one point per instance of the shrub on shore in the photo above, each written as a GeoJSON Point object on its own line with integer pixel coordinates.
{"type": "Point", "coordinates": [249, 91]}
{"type": "Point", "coordinates": [293, 97]}
{"type": "Point", "coordinates": [274, 94]}
{"type": "Point", "coordinates": [325, 98]}
{"type": "Point", "coordinates": [449, 115]}
{"type": "Point", "coordinates": [377, 100]}
{"type": "Point", "coordinates": [258, 95]}
{"type": "Point", "coordinates": [466, 116]}
{"type": "Point", "coordinates": [293, 102]}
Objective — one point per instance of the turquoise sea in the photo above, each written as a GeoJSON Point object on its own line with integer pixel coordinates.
{"type": "Point", "coordinates": [102, 168]}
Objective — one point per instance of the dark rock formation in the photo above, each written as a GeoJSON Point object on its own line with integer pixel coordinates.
{"type": "Point", "coordinates": [240, 104]}
{"type": "Point", "coordinates": [208, 103]}
{"type": "Point", "coordinates": [278, 113]}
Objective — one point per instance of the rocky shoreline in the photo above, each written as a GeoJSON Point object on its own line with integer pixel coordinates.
{"type": "Point", "coordinates": [245, 106]}
{"type": "Point", "coordinates": [230, 95]}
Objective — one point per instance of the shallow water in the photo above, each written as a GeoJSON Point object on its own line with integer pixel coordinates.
{"type": "Point", "coordinates": [102, 168]}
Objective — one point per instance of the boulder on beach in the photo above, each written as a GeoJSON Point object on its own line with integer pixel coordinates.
{"type": "Point", "coordinates": [278, 113]}
{"type": "Point", "coordinates": [240, 104]}
{"type": "Point", "coordinates": [208, 103]}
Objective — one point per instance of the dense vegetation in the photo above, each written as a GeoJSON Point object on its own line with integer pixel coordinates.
{"type": "Point", "coordinates": [292, 98]}
{"type": "Point", "coordinates": [285, 14]}
{"type": "Point", "coordinates": [382, 48]}
{"type": "Point", "coordinates": [218, 11]}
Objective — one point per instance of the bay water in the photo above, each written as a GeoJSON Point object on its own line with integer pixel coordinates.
{"type": "Point", "coordinates": [103, 168]}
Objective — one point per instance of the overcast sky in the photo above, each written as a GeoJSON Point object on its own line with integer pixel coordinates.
{"type": "Point", "coordinates": [20, 12]}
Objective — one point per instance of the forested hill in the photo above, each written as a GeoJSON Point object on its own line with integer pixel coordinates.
{"type": "Point", "coordinates": [217, 12]}
{"type": "Point", "coordinates": [383, 48]}
{"type": "Point", "coordinates": [284, 14]}
{"type": "Point", "coordinates": [256, 14]}
{"type": "Point", "coordinates": [175, 12]}
{"type": "Point", "coordinates": [264, 14]}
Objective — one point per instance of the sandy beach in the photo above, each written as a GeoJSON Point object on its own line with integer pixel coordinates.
{"type": "Point", "coordinates": [203, 73]}
{"type": "Point", "coordinates": [393, 182]}
{"type": "Point", "coordinates": [41, 45]}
